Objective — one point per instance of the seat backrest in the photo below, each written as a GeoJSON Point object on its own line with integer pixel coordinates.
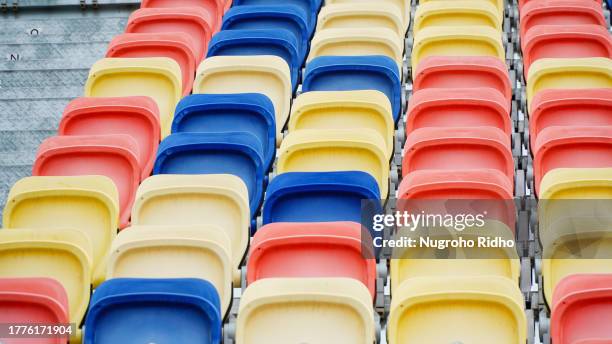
{"type": "Point", "coordinates": [560, 13]}
{"type": "Point", "coordinates": [309, 7]}
{"type": "Point", "coordinates": [499, 5]}
{"type": "Point", "coordinates": [402, 6]}
{"type": "Point", "coordinates": [215, 8]}
{"type": "Point", "coordinates": [360, 14]}
{"type": "Point", "coordinates": [457, 13]}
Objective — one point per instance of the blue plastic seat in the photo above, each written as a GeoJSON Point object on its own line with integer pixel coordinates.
{"type": "Point", "coordinates": [310, 7]}
{"type": "Point", "coordinates": [162, 311]}
{"type": "Point", "coordinates": [222, 113]}
{"type": "Point", "coordinates": [289, 18]}
{"type": "Point", "coordinates": [236, 153]}
{"type": "Point", "coordinates": [279, 43]}
{"type": "Point", "coordinates": [349, 73]}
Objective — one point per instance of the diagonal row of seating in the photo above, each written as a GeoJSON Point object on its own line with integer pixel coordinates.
{"type": "Point", "coordinates": [567, 53]}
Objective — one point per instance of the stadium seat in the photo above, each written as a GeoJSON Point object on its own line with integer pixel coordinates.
{"type": "Point", "coordinates": [34, 301]}
{"type": "Point", "coordinates": [268, 75]}
{"type": "Point", "coordinates": [87, 203]}
{"type": "Point", "coordinates": [134, 116]}
{"type": "Point", "coordinates": [457, 13]}
{"type": "Point", "coordinates": [324, 249]}
{"type": "Point", "coordinates": [319, 197]}
{"type": "Point", "coordinates": [359, 15]}
{"type": "Point", "coordinates": [344, 110]}
{"type": "Point", "coordinates": [173, 45]}
{"type": "Point", "coordinates": [364, 41]}
{"type": "Point", "coordinates": [571, 147]}
{"type": "Point", "coordinates": [474, 309]}
{"type": "Point", "coordinates": [463, 72]}
{"type": "Point", "coordinates": [113, 156]}
{"type": "Point", "coordinates": [242, 112]}
{"type": "Point", "coordinates": [560, 13]}
{"type": "Point", "coordinates": [156, 77]}
{"type": "Point", "coordinates": [579, 303]}
{"type": "Point", "coordinates": [219, 201]}
{"type": "Point", "coordinates": [457, 41]}
{"type": "Point", "coordinates": [309, 7]}
{"type": "Point", "coordinates": [336, 150]}
{"type": "Point", "coordinates": [257, 17]}
{"type": "Point", "coordinates": [214, 8]}
{"type": "Point", "coordinates": [239, 154]}
{"type": "Point", "coordinates": [575, 41]}
{"type": "Point", "coordinates": [499, 5]}
{"type": "Point", "coordinates": [402, 6]}
{"type": "Point", "coordinates": [259, 42]}
{"type": "Point", "coordinates": [576, 73]}
{"type": "Point", "coordinates": [569, 108]}
{"type": "Point", "coordinates": [312, 310]}
{"type": "Point", "coordinates": [199, 251]}
{"type": "Point", "coordinates": [183, 310]}
{"type": "Point", "coordinates": [459, 107]}
{"type": "Point", "coordinates": [61, 254]}
{"type": "Point", "coordinates": [192, 22]}
{"type": "Point", "coordinates": [351, 73]}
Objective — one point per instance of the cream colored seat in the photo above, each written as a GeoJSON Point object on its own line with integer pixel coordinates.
{"type": "Point", "coordinates": [457, 13]}
{"type": "Point", "coordinates": [357, 15]}
{"type": "Point", "coordinates": [498, 4]}
{"type": "Point", "coordinates": [402, 6]}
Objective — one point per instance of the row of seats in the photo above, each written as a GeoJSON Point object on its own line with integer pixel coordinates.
{"type": "Point", "coordinates": [567, 53]}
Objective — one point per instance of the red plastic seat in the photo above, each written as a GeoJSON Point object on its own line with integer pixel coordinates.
{"type": "Point", "coordinates": [560, 13]}
{"type": "Point", "coordinates": [216, 8]}
{"type": "Point", "coordinates": [323, 249]}
{"type": "Point", "coordinates": [569, 108]}
{"type": "Point", "coordinates": [33, 301]}
{"type": "Point", "coordinates": [570, 41]}
{"type": "Point", "coordinates": [571, 147]}
{"type": "Point", "coordinates": [172, 44]}
{"type": "Point", "coordinates": [582, 307]}
{"type": "Point", "coordinates": [464, 107]}
{"type": "Point", "coordinates": [192, 22]}
{"type": "Point", "coordinates": [463, 72]}
{"type": "Point", "coordinates": [113, 156]}
{"type": "Point", "coordinates": [134, 116]}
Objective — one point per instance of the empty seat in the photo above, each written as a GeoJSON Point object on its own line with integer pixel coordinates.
{"type": "Point", "coordinates": [324, 249]}
{"type": "Point", "coordinates": [575, 41]}
{"type": "Point", "coordinates": [460, 107]}
{"type": "Point", "coordinates": [368, 41]}
{"type": "Point", "coordinates": [336, 150]}
{"type": "Point", "coordinates": [241, 112]}
{"type": "Point", "coordinates": [569, 108]}
{"type": "Point", "coordinates": [193, 22]}
{"type": "Point", "coordinates": [61, 254]}
{"type": "Point", "coordinates": [463, 72]}
{"type": "Point", "coordinates": [173, 45]}
{"type": "Point", "coordinates": [182, 310]}
{"type": "Point", "coordinates": [34, 301]}
{"type": "Point", "coordinates": [134, 116]}
{"type": "Point", "coordinates": [156, 77]}
{"type": "Point", "coordinates": [360, 14]}
{"type": "Point", "coordinates": [259, 42]}
{"type": "Point", "coordinates": [560, 13]}
{"type": "Point", "coordinates": [575, 73]}
{"type": "Point", "coordinates": [579, 303]}
{"type": "Point", "coordinates": [219, 201]}
{"type": "Point", "coordinates": [89, 204]}
{"type": "Point", "coordinates": [351, 73]}
{"type": "Point", "coordinates": [215, 8]}
{"type": "Point", "coordinates": [457, 13]}
{"type": "Point", "coordinates": [234, 153]}
{"type": "Point", "coordinates": [309, 7]}
{"type": "Point", "coordinates": [498, 4]}
{"type": "Point", "coordinates": [403, 7]}
{"type": "Point", "coordinates": [113, 156]}
{"type": "Point", "coordinates": [199, 251]}
{"type": "Point", "coordinates": [268, 75]}
{"type": "Point", "coordinates": [474, 309]}
{"type": "Point", "coordinates": [344, 110]}
{"type": "Point", "coordinates": [313, 310]}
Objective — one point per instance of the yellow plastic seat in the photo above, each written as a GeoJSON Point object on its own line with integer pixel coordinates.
{"type": "Point", "coordinates": [336, 150]}
{"type": "Point", "coordinates": [498, 4]}
{"type": "Point", "coordinates": [155, 77]}
{"type": "Point", "coordinates": [575, 224]}
{"type": "Point", "coordinates": [174, 252]}
{"type": "Point", "coordinates": [408, 263]}
{"type": "Point", "coordinates": [306, 310]}
{"type": "Point", "coordinates": [474, 309]}
{"type": "Point", "coordinates": [357, 15]}
{"type": "Point", "coordinates": [358, 42]}
{"type": "Point", "coordinates": [574, 73]}
{"type": "Point", "coordinates": [219, 200]}
{"type": "Point", "coordinates": [268, 75]}
{"type": "Point", "coordinates": [61, 254]}
{"type": "Point", "coordinates": [344, 110]}
{"type": "Point", "coordinates": [402, 6]}
{"type": "Point", "coordinates": [457, 41]}
{"type": "Point", "coordinates": [86, 203]}
{"type": "Point", "coordinates": [457, 13]}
